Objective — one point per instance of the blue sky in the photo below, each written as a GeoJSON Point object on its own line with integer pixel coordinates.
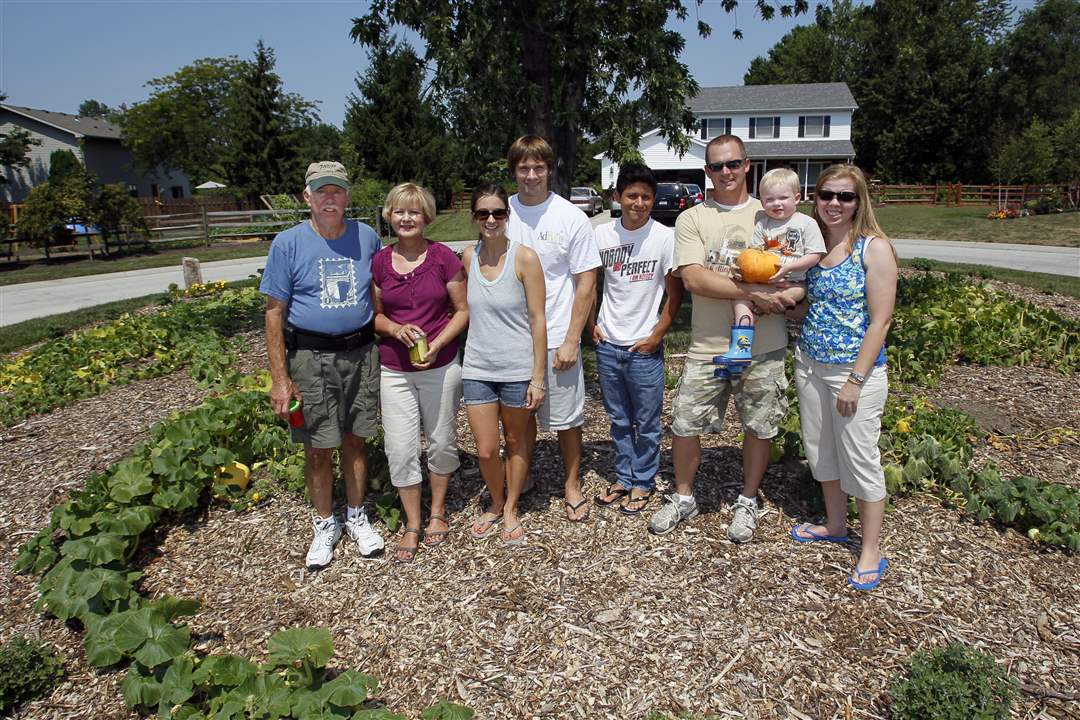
{"type": "Point", "coordinates": [54, 54]}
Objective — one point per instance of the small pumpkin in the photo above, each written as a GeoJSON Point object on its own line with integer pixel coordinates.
{"type": "Point", "coordinates": [234, 473]}
{"type": "Point", "coordinates": [757, 266]}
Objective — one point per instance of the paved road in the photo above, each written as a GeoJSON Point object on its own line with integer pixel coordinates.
{"type": "Point", "coordinates": [31, 300]}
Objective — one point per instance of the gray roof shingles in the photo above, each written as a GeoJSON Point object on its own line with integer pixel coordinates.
{"type": "Point", "coordinates": [75, 124]}
{"type": "Point", "coordinates": [831, 149]}
{"type": "Point", "coordinates": [752, 98]}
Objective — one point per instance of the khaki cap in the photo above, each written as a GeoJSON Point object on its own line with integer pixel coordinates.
{"type": "Point", "coordinates": [326, 172]}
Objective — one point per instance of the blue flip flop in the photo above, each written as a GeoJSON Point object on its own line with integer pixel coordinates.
{"type": "Point", "coordinates": [814, 537]}
{"type": "Point", "coordinates": [856, 573]}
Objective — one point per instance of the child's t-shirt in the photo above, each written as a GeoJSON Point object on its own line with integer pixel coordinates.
{"type": "Point", "coordinates": [790, 239]}
{"type": "Point", "coordinates": [636, 264]}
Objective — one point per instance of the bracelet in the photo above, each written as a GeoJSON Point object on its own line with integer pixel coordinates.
{"type": "Point", "coordinates": [856, 378]}
{"type": "Point", "coordinates": [541, 388]}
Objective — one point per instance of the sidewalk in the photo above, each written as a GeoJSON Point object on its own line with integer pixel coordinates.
{"type": "Point", "coordinates": [39, 299]}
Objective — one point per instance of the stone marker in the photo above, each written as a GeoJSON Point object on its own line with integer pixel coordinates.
{"type": "Point", "coordinates": [192, 272]}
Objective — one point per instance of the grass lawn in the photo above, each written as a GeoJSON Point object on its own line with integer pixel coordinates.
{"type": "Point", "coordinates": [12, 273]}
{"type": "Point", "coordinates": [451, 226]}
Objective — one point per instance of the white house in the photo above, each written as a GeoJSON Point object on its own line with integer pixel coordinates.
{"type": "Point", "coordinates": [803, 127]}
{"type": "Point", "coordinates": [96, 142]}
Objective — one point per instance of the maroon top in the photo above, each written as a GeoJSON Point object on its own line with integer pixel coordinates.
{"type": "Point", "coordinates": [418, 297]}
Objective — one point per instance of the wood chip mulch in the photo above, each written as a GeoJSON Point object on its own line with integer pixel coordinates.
{"type": "Point", "coordinates": [598, 619]}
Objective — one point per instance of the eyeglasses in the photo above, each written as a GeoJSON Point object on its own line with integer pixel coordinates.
{"type": "Point", "coordinates": [844, 196]}
{"type": "Point", "coordinates": [482, 215]}
{"type": "Point", "coordinates": [730, 165]}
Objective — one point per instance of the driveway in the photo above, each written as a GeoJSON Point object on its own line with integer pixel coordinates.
{"type": "Point", "coordinates": [38, 299]}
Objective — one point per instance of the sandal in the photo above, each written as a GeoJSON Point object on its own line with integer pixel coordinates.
{"type": "Point", "coordinates": [484, 525]}
{"type": "Point", "coordinates": [614, 494]}
{"type": "Point", "coordinates": [855, 580]}
{"type": "Point", "coordinates": [572, 510]}
{"type": "Point", "coordinates": [435, 538]}
{"type": "Point", "coordinates": [409, 553]}
{"type": "Point", "coordinates": [508, 538]}
{"type": "Point", "coordinates": [625, 508]}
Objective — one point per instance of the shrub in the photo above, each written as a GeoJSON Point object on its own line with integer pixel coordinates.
{"type": "Point", "coordinates": [953, 683]}
{"type": "Point", "coordinates": [28, 671]}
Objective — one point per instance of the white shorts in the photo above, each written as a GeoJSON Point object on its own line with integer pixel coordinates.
{"type": "Point", "coordinates": [564, 404]}
{"type": "Point", "coordinates": [837, 447]}
{"type": "Point", "coordinates": [416, 405]}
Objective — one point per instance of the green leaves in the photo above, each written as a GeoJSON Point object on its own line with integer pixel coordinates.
{"type": "Point", "coordinates": [445, 710]}
{"type": "Point", "coordinates": [100, 549]}
{"type": "Point", "coordinates": [300, 645]}
{"type": "Point", "coordinates": [130, 479]}
{"type": "Point", "coordinates": [150, 637]}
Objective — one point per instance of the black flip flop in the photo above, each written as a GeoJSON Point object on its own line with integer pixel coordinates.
{"type": "Point", "coordinates": [644, 500]}
{"type": "Point", "coordinates": [574, 508]}
{"type": "Point", "coordinates": [619, 492]}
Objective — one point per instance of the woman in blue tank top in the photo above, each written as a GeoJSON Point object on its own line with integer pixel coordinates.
{"type": "Point", "coordinates": [840, 371]}
{"type": "Point", "coordinates": [503, 372]}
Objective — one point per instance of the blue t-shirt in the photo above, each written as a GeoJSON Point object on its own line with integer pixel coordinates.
{"type": "Point", "coordinates": [326, 283]}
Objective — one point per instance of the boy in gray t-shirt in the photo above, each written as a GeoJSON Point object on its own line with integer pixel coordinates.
{"type": "Point", "coordinates": [794, 237]}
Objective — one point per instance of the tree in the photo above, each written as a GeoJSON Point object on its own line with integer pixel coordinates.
{"type": "Point", "coordinates": [15, 148]}
{"type": "Point", "coordinates": [1038, 64]}
{"type": "Point", "coordinates": [317, 141]}
{"type": "Point", "coordinates": [394, 127]}
{"type": "Point", "coordinates": [804, 55]}
{"type": "Point", "coordinates": [1067, 149]}
{"type": "Point", "coordinates": [185, 123]}
{"type": "Point", "coordinates": [116, 212]}
{"type": "Point", "coordinates": [98, 109]}
{"type": "Point", "coordinates": [556, 68]}
{"type": "Point", "coordinates": [1028, 157]}
{"type": "Point", "coordinates": [61, 164]}
{"type": "Point", "coordinates": [262, 152]}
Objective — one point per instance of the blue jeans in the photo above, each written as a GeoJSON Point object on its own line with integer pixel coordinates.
{"type": "Point", "coordinates": [632, 384]}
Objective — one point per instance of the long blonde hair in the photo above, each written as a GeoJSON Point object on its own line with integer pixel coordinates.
{"type": "Point", "coordinates": [864, 223]}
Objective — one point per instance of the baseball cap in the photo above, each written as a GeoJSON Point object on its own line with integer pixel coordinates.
{"type": "Point", "coordinates": [326, 172]}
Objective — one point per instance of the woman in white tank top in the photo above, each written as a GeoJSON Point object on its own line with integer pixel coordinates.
{"type": "Point", "coordinates": [503, 372]}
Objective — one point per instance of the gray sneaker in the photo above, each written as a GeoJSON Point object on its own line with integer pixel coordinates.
{"type": "Point", "coordinates": [671, 514]}
{"type": "Point", "coordinates": [743, 520]}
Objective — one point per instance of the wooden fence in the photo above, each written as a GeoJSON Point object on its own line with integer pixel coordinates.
{"type": "Point", "coordinates": [957, 194]}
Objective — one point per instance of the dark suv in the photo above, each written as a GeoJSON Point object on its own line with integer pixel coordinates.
{"type": "Point", "coordinates": [671, 199]}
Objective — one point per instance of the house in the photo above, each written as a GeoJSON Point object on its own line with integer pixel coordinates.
{"type": "Point", "coordinates": [96, 142]}
{"type": "Point", "coordinates": [803, 127]}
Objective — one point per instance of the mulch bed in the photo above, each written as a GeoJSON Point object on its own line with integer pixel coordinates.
{"type": "Point", "coordinates": [598, 619]}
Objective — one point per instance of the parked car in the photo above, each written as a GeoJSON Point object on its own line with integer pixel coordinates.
{"type": "Point", "coordinates": [695, 190]}
{"type": "Point", "coordinates": [587, 199]}
{"type": "Point", "coordinates": [616, 208]}
{"type": "Point", "coordinates": [671, 199]}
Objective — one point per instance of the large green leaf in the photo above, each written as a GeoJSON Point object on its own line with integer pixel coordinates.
{"type": "Point", "coordinates": [153, 639]}
{"type": "Point", "coordinates": [99, 549]}
{"type": "Point", "coordinates": [178, 497]}
{"type": "Point", "coordinates": [299, 645]}
{"type": "Point", "coordinates": [349, 688]}
{"type": "Point", "coordinates": [130, 479]}
{"type": "Point", "coordinates": [127, 521]}
{"type": "Point", "coordinates": [376, 714]}
{"type": "Point", "coordinates": [100, 641]}
{"type": "Point", "coordinates": [446, 710]}
{"type": "Point", "coordinates": [261, 696]}
{"type": "Point", "coordinates": [139, 689]}
{"type": "Point", "coordinates": [176, 686]}
{"type": "Point", "coordinates": [227, 670]}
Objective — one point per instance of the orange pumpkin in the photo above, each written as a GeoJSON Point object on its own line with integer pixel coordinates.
{"type": "Point", "coordinates": [757, 266]}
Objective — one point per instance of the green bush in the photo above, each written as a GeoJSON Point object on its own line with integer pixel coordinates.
{"type": "Point", "coordinates": [953, 683]}
{"type": "Point", "coordinates": [28, 671]}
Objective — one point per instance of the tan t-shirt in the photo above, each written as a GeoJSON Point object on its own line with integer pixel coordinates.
{"type": "Point", "coordinates": [712, 235]}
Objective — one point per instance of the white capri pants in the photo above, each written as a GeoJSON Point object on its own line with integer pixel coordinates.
{"type": "Point", "coordinates": [411, 401]}
{"type": "Point", "coordinates": [837, 447]}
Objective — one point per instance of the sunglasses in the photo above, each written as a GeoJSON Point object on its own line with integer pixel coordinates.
{"type": "Point", "coordinates": [730, 165]}
{"type": "Point", "coordinates": [844, 196]}
{"type": "Point", "coordinates": [482, 215]}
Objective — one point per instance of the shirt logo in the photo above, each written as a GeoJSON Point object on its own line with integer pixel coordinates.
{"type": "Point", "coordinates": [337, 279]}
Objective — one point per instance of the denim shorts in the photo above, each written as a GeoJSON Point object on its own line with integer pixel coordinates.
{"type": "Point", "coordinates": [482, 392]}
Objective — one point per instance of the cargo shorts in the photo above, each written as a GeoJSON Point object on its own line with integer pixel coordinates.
{"type": "Point", "coordinates": [760, 397]}
{"type": "Point", "coordinates": [340, 393]}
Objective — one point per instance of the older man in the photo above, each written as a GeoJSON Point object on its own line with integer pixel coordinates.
{"type": "Point", "coordinates": [320, 338]}
{"type": "Point", "coordinates": [708, 237]}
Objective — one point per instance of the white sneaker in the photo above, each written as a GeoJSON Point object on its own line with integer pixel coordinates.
{"type": "Point", "coordinates": [369, 542]}
{"type": "Point", "coordinates": [321, 552]}
{"type": "Point", "coordinates": [744, 520]}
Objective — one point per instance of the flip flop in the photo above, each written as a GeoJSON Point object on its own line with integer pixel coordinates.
{"type": "Point", "coordinates": [856, 573]}
{"type": "Point", "coordinates": [488, 526]}
{"type": "Point", "coordinates": [410, 552]}
{"type": "Point", "coordinates": [644, 500]}
{"type": "Point", "coordinates": [574, 508]}
{"type": "Point", "coordinates": [814, 537]}
{"type": "Point", "coordinates": [508, 538]}
{"type": "Point", "coordinates": [615, 489]}
{"type": "Point", "coordinates": [435, 538]}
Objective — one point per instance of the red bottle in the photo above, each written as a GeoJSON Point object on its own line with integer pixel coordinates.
{"type": "Point", "coordinates": [296, 414]}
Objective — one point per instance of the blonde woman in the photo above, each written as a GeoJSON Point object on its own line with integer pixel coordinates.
{"type": "Point", "coordinates": [504, 358]}
{"type": "Point", "coordinates": [840, 370]}
{"type": "Point", "coordinates": [419, 293]}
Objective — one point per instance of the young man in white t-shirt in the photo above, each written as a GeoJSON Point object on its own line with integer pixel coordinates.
{"type": "Point", "coordinates": [637, 254]}
{"type": "Point", "coordinates": [562, 237]}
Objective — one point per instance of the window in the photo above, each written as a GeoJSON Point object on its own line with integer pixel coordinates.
{"type": "Point", "coordinates": [814, 126]}
{"type": "Point", "coordinates": [764, 127]}
{"type": "Point", "coordinates": [715, 127]}
{"type": "Point", "coordinates": [809, 172]}
{"type": "Point", "coordinates": [177, 191]}
{"type": "Point", "coordinates": [154, 190]}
